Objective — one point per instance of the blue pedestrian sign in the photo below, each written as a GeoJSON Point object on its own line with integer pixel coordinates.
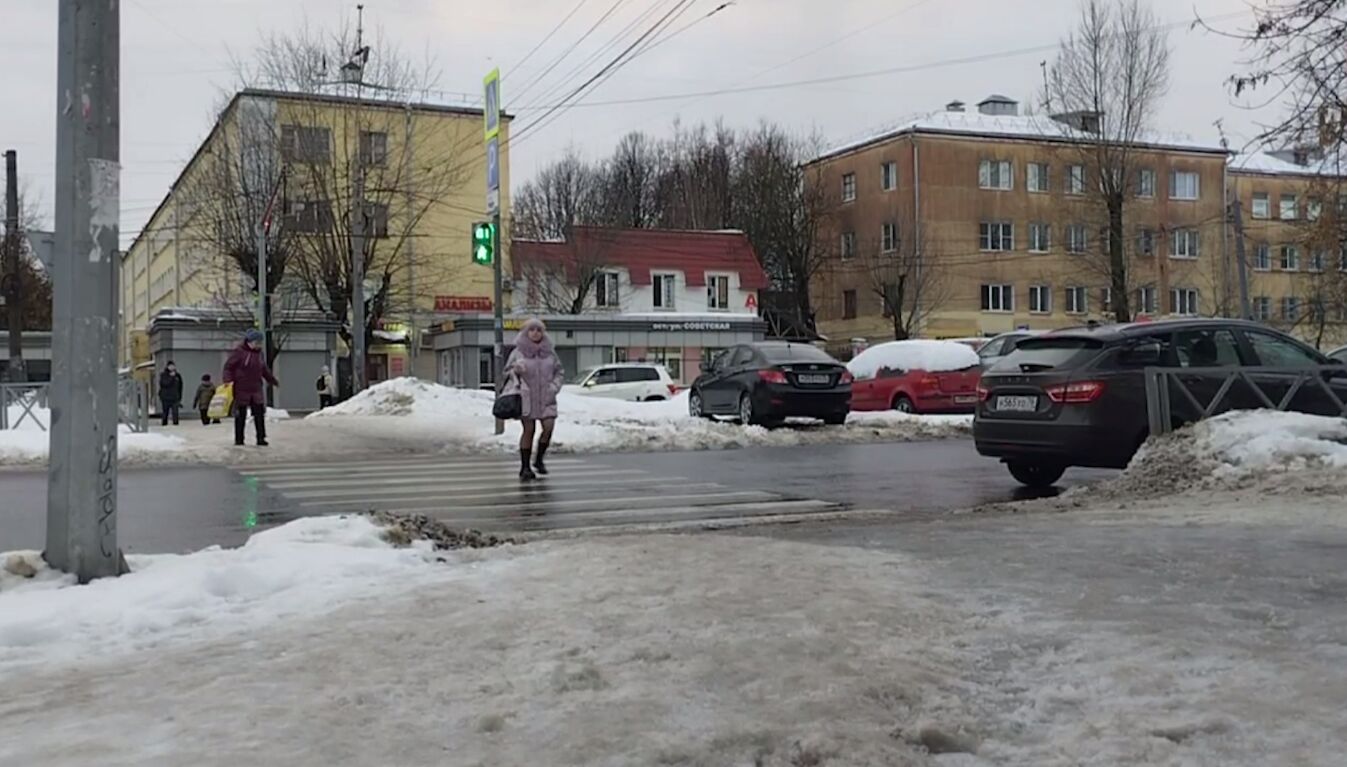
{"type": "Point", "coordinates": [493, 176]}
{"type": "Point", "coordinates": [491, 104]}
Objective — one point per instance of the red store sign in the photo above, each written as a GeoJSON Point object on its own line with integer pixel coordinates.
{"type": "Point", "coordinates": [462, 304]}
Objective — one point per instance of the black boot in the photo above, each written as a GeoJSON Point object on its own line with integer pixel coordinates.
{"type": "Point", "coordinates": [524, 471]}
{"type": "Point", "coordinates": [538, 464]}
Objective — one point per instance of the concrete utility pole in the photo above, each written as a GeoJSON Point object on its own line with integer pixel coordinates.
{"type": "Point", "coordinates": [82, 474]}
{"type": "Point", "coordinates": [15, 372]}
{"type": "Point", "coordinates": [498, 324]}
{"type": "Point", "coordinates": [1237, 216]}
{"type": "Point", "coordinates": [358, 280]}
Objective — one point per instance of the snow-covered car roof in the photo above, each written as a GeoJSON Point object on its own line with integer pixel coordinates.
{"type": "Point", "coordinates": [931, 356]}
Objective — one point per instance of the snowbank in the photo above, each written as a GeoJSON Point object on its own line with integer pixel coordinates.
{"type": "Point", "coordinates": [932, 356]}
{"type": "Point", "coordinates": [462, 419]}
{"type": "Point", "coordinates": [29, 445]}
{"type": "Point", "coordinates": [302, 569]}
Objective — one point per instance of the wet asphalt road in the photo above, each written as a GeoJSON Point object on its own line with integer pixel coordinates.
{"type": "Point", "coordinates": [182, 509]}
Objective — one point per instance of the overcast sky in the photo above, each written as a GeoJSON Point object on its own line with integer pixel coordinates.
{"type": "Point", "coordinates": [176, 64]}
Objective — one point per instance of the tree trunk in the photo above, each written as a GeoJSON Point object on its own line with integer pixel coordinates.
{"type": "Point", "coordinates": [1117, 260]}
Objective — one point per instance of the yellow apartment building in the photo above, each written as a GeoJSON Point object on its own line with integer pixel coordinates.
{"type": "Point", "coordinates": [420, 169]}
{"type": "Point", "coordinates": [995, 203]}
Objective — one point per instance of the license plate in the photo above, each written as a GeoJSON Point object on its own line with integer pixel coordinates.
{"type": "Point", "coordinates": [965, 400]}
{"type": "Point", "coordinates": [1017, 404]}
{"type": "Point", "coordinates": [814, 379]}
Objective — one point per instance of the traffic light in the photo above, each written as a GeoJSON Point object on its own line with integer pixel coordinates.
{"type": "Point", "coordinates": [483, 243]}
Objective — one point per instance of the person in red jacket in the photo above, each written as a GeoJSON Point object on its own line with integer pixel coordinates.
{"type": "Point", "coordinates": [247, 370]}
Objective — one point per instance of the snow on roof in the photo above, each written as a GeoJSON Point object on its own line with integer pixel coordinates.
{"type": "Point", "coordinates": [1018, 127]}
{"type": "Point", "coordinates": [931, 356]}
{"type": "Point", "coordinates": [1269, 164]}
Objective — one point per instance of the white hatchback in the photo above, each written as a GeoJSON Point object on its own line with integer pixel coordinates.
{"type": "Point", "coordinates": [630, 381]}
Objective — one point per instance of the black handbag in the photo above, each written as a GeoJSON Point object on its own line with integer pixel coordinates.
{"type": "Point", "coordinates": [508, 407]}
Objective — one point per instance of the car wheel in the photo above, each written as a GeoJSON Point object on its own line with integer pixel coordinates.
{"type": "Point", "coordinates": [746, 415]}
{"type": "Point", "coordinates": [1035, 474]}
{"type": "Point", "coordinates": [695, 407]}
{"type": "Point", "coordinates": [836, 419]}
{"type": "Point", "coordinates": [903, 404]}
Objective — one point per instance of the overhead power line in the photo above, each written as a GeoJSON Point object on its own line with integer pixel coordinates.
{"type": "Point", "coordinates": [567, 51]}
{"type": "Point", "coordinates": [513, 67]}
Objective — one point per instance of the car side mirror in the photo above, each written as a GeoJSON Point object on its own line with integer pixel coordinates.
{"type": "Point", "coordinates": [1144, 355]}
{"type": "Point", "coordinates": [707, 367]}
{"type": "Point", "coordinates": [589, 384]}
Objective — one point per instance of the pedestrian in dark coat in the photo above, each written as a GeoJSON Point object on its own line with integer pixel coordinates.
{"type": "Point", "coordinates": [536, 374]}
{"type": "Point", "coordinates": [204, 394]}
{"type": "Point", "coordinates": [170, 393]}
{"type": "Point", "coordinates": [247, 370]}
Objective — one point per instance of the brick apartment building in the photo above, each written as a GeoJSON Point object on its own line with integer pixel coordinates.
{"type": "Point", "coordinates": [993, 203]}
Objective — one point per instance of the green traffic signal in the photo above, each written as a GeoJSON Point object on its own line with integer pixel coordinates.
{"type": "Point", "coordinates": [483, 243]}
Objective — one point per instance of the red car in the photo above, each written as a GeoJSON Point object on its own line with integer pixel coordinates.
{"type": "Point", "coordinates": [916, 377]}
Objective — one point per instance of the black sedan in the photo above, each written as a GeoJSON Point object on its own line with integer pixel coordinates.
{"type": "Point", "coordinates": [1077, 397]}
{"type": "Point", "coordinates": [766, 383]}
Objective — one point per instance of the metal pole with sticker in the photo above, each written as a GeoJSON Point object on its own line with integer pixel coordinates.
{"type": "Point", "coordinates": [82, 473]}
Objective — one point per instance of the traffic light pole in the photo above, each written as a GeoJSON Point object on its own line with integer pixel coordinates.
{"type": "Point", "coordinates": [497, 289]}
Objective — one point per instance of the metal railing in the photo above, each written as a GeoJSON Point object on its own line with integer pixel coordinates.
{"type": "Point", "coordinates": [27, 405]}
{"type": "Point", "coordinates": [23, 404]}
{"type": "Point", "coordinates": [1265, 384]}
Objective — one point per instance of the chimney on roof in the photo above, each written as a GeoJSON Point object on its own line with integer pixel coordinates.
{"type": "Point", "coordinates": [1083, 120]}
{"type": "Point", "coordinates": [998, 105]}
{"type": "Point", "coordinates": [954, 106]}
{"type": "Point", "coordinates": [1300, 154]}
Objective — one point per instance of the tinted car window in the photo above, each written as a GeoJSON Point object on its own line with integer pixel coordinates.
{"type": "Point", "coordinates": [634, 375]}
{"type": "Point", "coordinates": [742, 356]}
{"type": "Point", "coordinates": [1036, 354]}
{"type": "Point", "coordinates": [992, 349]}
{"type": "Point", "coordinates": [1206, 349]}
{"type": "Point", "coordinates": [1277, 352]}
{"type": "Point", "coordinates": [606, 376]}
{"type": "Point", "coordinates": [795, 353]}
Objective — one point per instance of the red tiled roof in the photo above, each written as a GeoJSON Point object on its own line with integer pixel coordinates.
{"type": "Point", "coordinates": [641, 251]}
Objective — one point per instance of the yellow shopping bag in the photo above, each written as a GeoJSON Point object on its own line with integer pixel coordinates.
{"type": "Point", "coordinates": [221, 403]}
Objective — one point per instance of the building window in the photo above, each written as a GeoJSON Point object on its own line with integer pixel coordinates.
{"type": "Point", "coordinates": [996, 235]}
{"type": "Point", "coordinates": [303, 144]}
{"type": "Point", "coordinates": [849, 187]}
{"type": "Point", "coordinates": [606, 290]}
{"type": "Point", "coordinates": [1262, 308]}
{"type": "Point", "coordinates": [1184, 185]}
{"type": "Point", "coordinates": [1076, 239]}
{"type": "Point", "coordinates": [1288, 209]}
{"type": "Point", "coordinates": [998, 298]}
{"type": "Point", "coordinates": [1106, 299]}
{"type": "Point", "coordinates": [373, 149]}
{"type": "Point", "coordinates": [1316, 260]}
{"type": "Point", "coordinates": [670, 357]}
{"type": "Point", "coordinates": [376, 220]}
{"type": "Point", "coordinates": [1146, 182]}
{"type": "Point", "coordinates": [664, 286]}
{"type": "Point", "coordinates": [310, 216]}
{"type": "Point", "coordinates": [1040, 299]}
{"type": "Point", "coordinates": [888, 239]}
{"type": "Point", "coordinates": [848, 245]}
{"type": "Point", "coordinates": [1077, 301]}
{"type": "Point", "coordinates": [1342, 258]}
{"type": "Point", "coordinates": [1146, 242]}
{"type": "Point", "coordinates": [1290, 308]}
{"type": "Point", "coordinates": [717, 291]}
{"type": "Point", "coordinates": [1183, 301]}
{"type": "Point", "coordinates": [1146, 302]}
{"type": "Point", "coordinates": [1262, 205]}
{"type": "Point", "coordinates": [1185, 243]}
{"type": "Point", "coordinates": [1313, 210]}
{"type": "Point", "coordinates": [1036, 176]}
{"type": "Point", "coordinates": [1040, 237]}
{"type": "Point", "coordinates": [1075, 179]}
{"type": "Point", "coordinates": [1290, 258]}
{"type": "Point", "coordinates": [996, 174]}
{"type": "Point", "coordinates": [888, 176]}
{"type": "Point", "coordinates": [848, 304]}
{"type": "Point", "coordinates": [1262, 257]}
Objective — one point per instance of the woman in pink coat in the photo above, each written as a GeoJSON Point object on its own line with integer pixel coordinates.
{"type": "Point", "coordinates": [536, 374]}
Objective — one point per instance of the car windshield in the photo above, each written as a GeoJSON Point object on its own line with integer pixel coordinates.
{"type": "Point", "coordinates": [1035, 354]}
{"type": "Point", "coordinates": [580, 377]}
{"type": "Point", "coordinates": [795, 353]}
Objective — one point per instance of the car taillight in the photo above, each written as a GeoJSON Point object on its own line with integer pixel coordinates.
{"type": "Point", "coordinates": [673, 389]}
{"type": "Point", "coordinates": [1076, 393]}
{"type": "Point", "coordinates": [846, 378]}
{"type": "Point", "coordinates": [984, 394]}
{"type": "Point", "coordinates": [772, 376]}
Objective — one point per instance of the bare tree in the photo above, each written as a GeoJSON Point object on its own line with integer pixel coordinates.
{"type": "Point", "coordinates": [34, 281]}
{"type": "Point", "coordinates": [563, 278]}
{"type": "Point", "coordinates": [904, 270]}
{"type": "Point", "coordinates": [696, 186]}
{"type": "Point", "coordinates": [631, 183]}
{"type": "Point", "coordinates": [1105, 86]}
{"type": "Point", "coordinates": [564, 194]}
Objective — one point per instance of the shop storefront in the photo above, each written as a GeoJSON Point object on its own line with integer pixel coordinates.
{"type": "Point", "coordinates": [463, 345]}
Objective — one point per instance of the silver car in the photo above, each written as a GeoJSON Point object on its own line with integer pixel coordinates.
{"type": "Point", "coordinates": [1002, 345]}
{"type": "Point", "coordinates": [1339, 354]}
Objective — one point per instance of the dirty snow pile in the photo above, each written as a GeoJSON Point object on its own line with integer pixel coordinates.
{"type": "Point", "coordinates": [931, 356]}
{"type": "Point", "coordinates": [461, 419]}
{"type": "Point", "coordinates": [28, 441]}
